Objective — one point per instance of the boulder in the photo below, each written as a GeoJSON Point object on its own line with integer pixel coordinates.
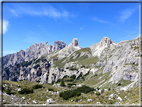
{"type": "Point", "coordinates": [89, 100]}
{"type": "Point", "coordinates": [34, 102]}
{"type": "Point", "coordinates": [50, 101]}
{"type": "Point", "coordinates": [119, 98]}
{"type": "Point", "coordinates": [23, 98]}
{"type": "Point", "coordinates": [112, 95]}
{"type": "Point", "coordinates": [19, 89]}
{"type": "Point", "coordinates": [79, 85]}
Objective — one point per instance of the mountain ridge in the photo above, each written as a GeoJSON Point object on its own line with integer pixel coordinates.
{"type": "Point", "coordinates": [120, 60]}
{"type": "Point", "coordinates": [34, 51]}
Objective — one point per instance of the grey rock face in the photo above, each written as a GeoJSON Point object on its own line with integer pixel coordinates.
{"type": "Point", "coordinates": [97, 48]}
{"type": "Point", "coordinates": [32, 52]}
{"type": "Point", "coordinates": [72, 47]}
{"type": "Point", "coordinates": [123, 61]}
{"type": "Point", "coordinates": [120, 61]}
{"type": "Point", "coordinates": [105, 42]}
{"type": "Point", "coordinates": [14, 58]}
{"type": "Point", "coordinates": [75, 42]}
{"type": "Point", "coordinates": [37, 50]}
{"type": "Point", "coordinates": [58, 45]}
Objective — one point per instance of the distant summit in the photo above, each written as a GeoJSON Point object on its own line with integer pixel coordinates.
{"type": "Point", "coordinates": [105, 42]}
{"type": "Point", "coordinates": [32, 52]}
{"type": "Point", "coordinates": [58, 45]}
{"type": "Point", "coordinates": [75, 42]}
{"type": "Point", "coordinates": [73, 46]}
{"type": "Point", "coordinates": [114, 63]}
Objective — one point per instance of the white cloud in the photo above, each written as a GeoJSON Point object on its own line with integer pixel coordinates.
{"type": "Point", "coordinates": [99, 20]}
{"type": "Point", "coordinates": [81, 28]}
{"type": "Point", "coordinates": [51, 12]}
{"type": "Point", "coordinates": [5, 25]}
{"type": "Point", "coordinates": [14, 12]}
{"type": "Point", "coordinates": [126, 14]}
{"type": "Point", "coordinates": [48, 11]}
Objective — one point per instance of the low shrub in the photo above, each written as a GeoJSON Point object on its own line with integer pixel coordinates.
{"type": "Point", "coordinates": [62, 83]}
{"type": "Point", "coordinates": [26, 91]}
{"type": "Point", "coordinates": [59, 80]}
{"type": "Point", "coordinates": [119, 84]}
{"type": "Point", "coordinates": [84, 89]}
{"type": "Point", "coordinates": [66, 76]}
{"type": "Point", "coordinates": [73, 76]}
{"type": "Point", "coordinates": [98, 88]}
{"type": "Point", "coordinates": [37, 86]}
{"type": "Point", "coordinates": [50, 89]}
{"type": "Point", "coordinates": [68, 94]}
{"type": "Point", "coordinates": [70, 84]}
{"type": "Point", "coordinates": [8, 90]}
{"type": "Point", "coordinates": [98, 94]}
{"type": "Point", "coordinates": [38, 81]}
{"type": "Point", "coordinates": [76, 92]}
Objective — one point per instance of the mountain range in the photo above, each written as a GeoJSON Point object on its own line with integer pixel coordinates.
{"type": "Point", "coordinates": [104, 64]}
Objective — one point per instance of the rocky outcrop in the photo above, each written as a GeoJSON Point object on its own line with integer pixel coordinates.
{"type": "Point", "coordinates": [72, 47]}
{"type": "Point", "coordinates": [11, 59]}
{"type": "Point", "coordinates": [105, 42]}
{"type": "Point", "coordinates": [37, 50]}
{"type": "Point", "coordinates": [58, 45]}
{"type": "Point", "coordinates": [32, 52]}
{"type": "Point", "coordinates": [75, 42]}
{"type": "Point", "coordinates": [122, 61]}
{"type": "Point", "coordinates": [97, 48]}
{"type": "Point", "coordinates": [114, 62]}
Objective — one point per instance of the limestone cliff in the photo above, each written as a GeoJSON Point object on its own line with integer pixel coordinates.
{"type": "Point", "coordinates": [111, 63]}
{"type": "Point", "coordinates": [32, 52]}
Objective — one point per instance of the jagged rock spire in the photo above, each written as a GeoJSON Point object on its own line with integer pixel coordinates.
{"type": "Point", "coordinates": [58, 45]}
{"type": "Point", "coordinates": [75, 42]}
{"type": "Point", "coordinates": [105, 42]}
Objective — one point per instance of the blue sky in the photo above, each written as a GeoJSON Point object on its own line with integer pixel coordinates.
{"type": "Point", "coordinates": [27, 23]}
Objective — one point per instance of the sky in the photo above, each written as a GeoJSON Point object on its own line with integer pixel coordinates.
{"type": "Point", "coordinates": [24, 24]}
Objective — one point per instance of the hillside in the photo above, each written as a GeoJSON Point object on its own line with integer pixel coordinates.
{"type": "Point", "coordinates": [105, 65]}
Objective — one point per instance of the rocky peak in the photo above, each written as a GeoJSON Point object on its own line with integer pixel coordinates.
{"type": "Point", "coordinates": [46, 42]}
{"type": "Point", "coordinates": [105, 42]}
{"type": "Point", "coordinates": [36, 44]}
{"type": "Point", "coordinates": [22, 53]}
{"type": "Point", "coordinates": [32, 52]}
{"type": "Point", "coordinates": [75, 42]}
{"type": "Point", "coordinates": [58, 45]}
